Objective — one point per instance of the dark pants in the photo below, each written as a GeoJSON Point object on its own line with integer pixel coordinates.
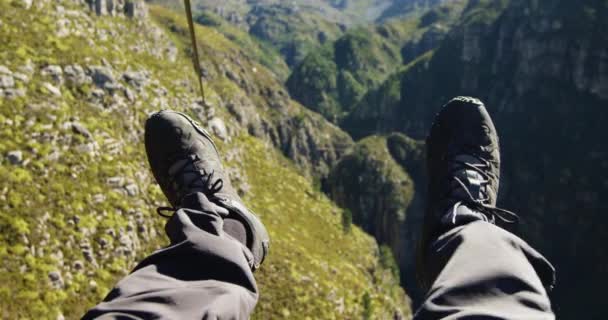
{"type": "Point", "coordinates": [204, 274]}
{"type": "Point", "coordinates": [484, 273]}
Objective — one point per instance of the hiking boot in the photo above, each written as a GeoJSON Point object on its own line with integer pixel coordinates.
{"type": "Point", "coordinates": [463, 164]}
{"type": "Point", "coordinates": [184, 161]}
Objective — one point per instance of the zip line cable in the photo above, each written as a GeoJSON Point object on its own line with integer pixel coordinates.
{"type": "Point", "coordinates": [195, 56]}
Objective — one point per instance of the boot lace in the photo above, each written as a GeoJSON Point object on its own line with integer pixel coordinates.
{"type": "Point", "coordinates": [187, 176]}
{"type": "Point", "coordinates": [480, 203]}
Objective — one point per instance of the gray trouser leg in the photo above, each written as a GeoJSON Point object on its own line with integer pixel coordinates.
{"type": "Point", "coordinates": [204, 274]}
{"type": "Point", "coordinates": [486, 272]}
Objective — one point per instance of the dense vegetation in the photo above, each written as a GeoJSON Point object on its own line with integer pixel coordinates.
{"type": "Point", "coordinates": [297, 28]}
{"type": "Point", "coordinates": [332, 80]}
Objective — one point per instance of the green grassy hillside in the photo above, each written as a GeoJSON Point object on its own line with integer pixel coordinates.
{"type": "Point", "coordinates": [316, 268]}
{"type": "Point", "coordinates": [263, 52]}
{"type": "Point", "coordinates": [77, 199]}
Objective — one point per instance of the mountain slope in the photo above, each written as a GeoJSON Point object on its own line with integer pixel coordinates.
{"type": "Point", "coordinates": [261, 51]}
{"type": "Point", "coordinates": [293, 29]}
{"type": "Point", "coordinates": [382, 183]}
{"type": "Point", "coordinates": [256, 99]}
{"type": "Point", "coordinates": [405, 8]}
{"type": "Point", "coordinates": [300, 27]}
{"type": "Point", "coordinates": [541, 68]}
{"type": "Point", "coordinates": [332, 80]}
{"type": "Point", "coordinates": [77, 202]}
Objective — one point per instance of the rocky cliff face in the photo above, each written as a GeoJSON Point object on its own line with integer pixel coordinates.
{"type": "Point", "coordinates": [303, 136]}
{"type": "Point", "coordinates": [130, 8]}
{"type": "Point", "coordinates": [375, 189]}
{"type": "Point", "coordinates": [541, 68]}
{"type": "Point", "coordinates": [384, 199]}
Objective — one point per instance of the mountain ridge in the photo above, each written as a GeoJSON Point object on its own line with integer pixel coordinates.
{"type": "Point", "coordinates": [296, 28]}
{"type": "Point", "coordinates": [335, 78]}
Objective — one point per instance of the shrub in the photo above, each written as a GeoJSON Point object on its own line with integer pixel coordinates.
{"type": "Point", "coordinates": [347, 220]}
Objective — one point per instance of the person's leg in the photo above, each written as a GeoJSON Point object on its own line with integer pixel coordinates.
{"type": "Point", "coordinates": [486, 272]}
{"type": "Point", "coordinates": [216, 242]}
{"type": "Point", "coordinates": [203, 274]}
{"type": "Point", "coordinates": [471, 268]}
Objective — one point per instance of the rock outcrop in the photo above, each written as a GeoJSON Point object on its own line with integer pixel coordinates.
{"type": "Point", "coordinates": [303, 136]}
{"type": "Point", "coordinates": [130, 8]}
{"type": "Point", "coordinates": [382, 183]}
{"type": "Point", "coordinates": [374, 188]}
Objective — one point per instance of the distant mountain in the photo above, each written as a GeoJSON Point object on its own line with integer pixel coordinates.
{"type": "Point", "coordinates": [405, 8]}
{"type": "Point", "coordinates": [333, 79]}
{"type": "Point", "coordinates": [296, 28]}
